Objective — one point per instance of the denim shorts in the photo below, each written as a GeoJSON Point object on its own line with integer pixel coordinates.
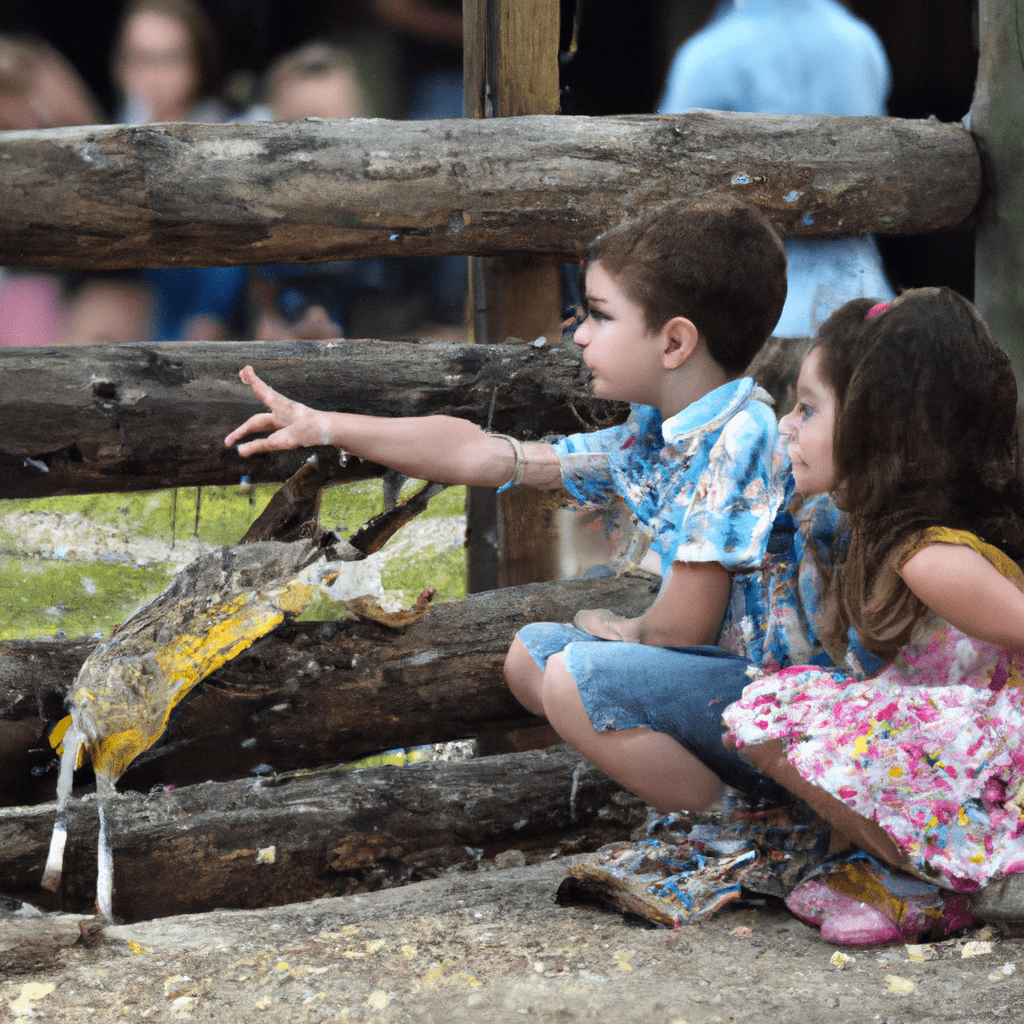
{"type": "Point", "coordinates": [680, 691]}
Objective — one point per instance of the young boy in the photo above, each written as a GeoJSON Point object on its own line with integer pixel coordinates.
{"type": "Point", "coordinates": [678, 302]}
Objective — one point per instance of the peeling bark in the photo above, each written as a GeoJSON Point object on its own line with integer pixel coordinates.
{"type": "Point", "coordinates": [216, 195]}
{"type": "Point", "coordinates": [320, 693]}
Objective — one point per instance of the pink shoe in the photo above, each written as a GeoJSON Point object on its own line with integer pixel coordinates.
{"type": "Point", "coordinates": [843, 920]}
{"type": "Point", "coordinates": [861, 925]}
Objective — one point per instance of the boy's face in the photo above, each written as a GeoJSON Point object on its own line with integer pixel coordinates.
{"type": "Point", "coordinates": [622, 354]}
{"type": "Point", "coordinates": [810, 428]}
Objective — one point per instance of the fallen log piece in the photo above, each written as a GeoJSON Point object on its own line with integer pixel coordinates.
{"type": "Point", "coordinates": [319, 693]}
{"type": "Point", "coordinates": [259, 843]}
{"type": "Point", "coordinates": [102, 418]}
{"type": "Point", "coordinates": [217, 195]}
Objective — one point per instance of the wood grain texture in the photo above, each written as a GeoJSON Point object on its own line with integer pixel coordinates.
{"type": "Point", "coordinates": [256, 843]}
{"type": "Point", "coordinates": [135, 417]}
{"type": "Point", "coordinates": [318, 693]}
{"type": "Point", "coordinates": [205, 195]}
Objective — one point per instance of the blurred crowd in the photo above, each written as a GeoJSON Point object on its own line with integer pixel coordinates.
{"type": "Point", "coordinates": [165, 60]}
{"type": "Point", "coordinates": [166, 64]}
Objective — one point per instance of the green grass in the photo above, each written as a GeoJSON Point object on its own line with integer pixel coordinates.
{"type": "Point", "coordinates": [43, 593]}
{"type": "Point", "coordinates": [73, 598]}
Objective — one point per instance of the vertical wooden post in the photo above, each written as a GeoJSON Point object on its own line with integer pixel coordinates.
{"type": "Point", "coordinates": [997, 121]}
{"type": "Point", "coordinates": [511, 68]}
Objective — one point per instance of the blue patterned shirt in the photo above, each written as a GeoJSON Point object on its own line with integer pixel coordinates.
{"type": "Point", "coordinates": [699, 485]}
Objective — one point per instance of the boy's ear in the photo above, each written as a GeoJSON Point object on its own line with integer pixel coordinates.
{"type": "Point", "coordinates": [681, 339]}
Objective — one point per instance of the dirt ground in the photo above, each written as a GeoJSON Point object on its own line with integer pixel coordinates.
{"type": "Point", "coordinates": [490, 946]}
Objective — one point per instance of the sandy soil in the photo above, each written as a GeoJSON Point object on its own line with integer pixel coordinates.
{"type": "Point", "coordinates": [490, 946]}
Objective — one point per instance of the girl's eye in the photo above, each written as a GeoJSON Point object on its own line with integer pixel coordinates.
{"type": "Point", "coordinates": [572, 317]}
{"type": "Point", "coordinates": [596, 314]}
{"type": "Point", "coordinates": [803, 411]}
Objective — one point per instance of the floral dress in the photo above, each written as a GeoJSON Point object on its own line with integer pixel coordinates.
{"type": "Point", "coordinates": [931, 747]}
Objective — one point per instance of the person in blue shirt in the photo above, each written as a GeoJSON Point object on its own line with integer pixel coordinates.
{"type": "Point", "coordinates": [793, 57]}
{"type": "Point", "coordinates": [678, 301]}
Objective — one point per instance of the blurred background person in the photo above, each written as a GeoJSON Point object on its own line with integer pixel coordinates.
{"type": "Point", "coordinates": [793, 57]}
{"type": "Point", "coordinates": [315, 300]}
{"type": "Point", "coordinates": [166, 66]}
{"type": "Point", "coordinates": [40, 88]}
{"type": "Point", "coordinates": [317, 79]}
{"type": "Point", "coordinates": [429, 34]}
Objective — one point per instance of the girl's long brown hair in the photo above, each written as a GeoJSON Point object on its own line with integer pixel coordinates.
{"type": "Point", "coordinates": [926, 435]}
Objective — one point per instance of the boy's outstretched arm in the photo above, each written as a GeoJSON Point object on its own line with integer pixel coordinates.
{"type": "Point", "coordinates": [687, 612]}
{"type": "Point", "coordinates": [441, 448]}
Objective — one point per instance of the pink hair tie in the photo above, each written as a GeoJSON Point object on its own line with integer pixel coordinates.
{"type": "Point", "coordinates": [876, 310]}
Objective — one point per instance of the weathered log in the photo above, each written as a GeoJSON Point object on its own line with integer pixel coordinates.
{"type": "Point", "coordinates": [135, 417]}
{"type": "Point", "coordinates": [319, 693]}
{"type": "Point", "coordinates": [268, 842]}
{"type": "Point", "coordinates": [203, 195]}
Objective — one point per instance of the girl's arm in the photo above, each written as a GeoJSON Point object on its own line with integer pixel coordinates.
{"type": "Point", "coordinates": [445, 449]}
{"type": "Point", "coordinates": [687, 612]}
{"type": "Point", "coordinates": [963, 587]}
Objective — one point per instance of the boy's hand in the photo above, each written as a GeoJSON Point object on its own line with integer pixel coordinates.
{"type": "Point", "coordinates": [292, 425]}
{"type": "Point", "coordinates": [603, 623]}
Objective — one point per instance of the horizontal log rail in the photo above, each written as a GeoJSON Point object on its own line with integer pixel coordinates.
{"type": "Point", "coordinates": [269, 842]}
{"type": "Point", "coordinates": [99, 418]}
{"type": "Point", "coordinates": [314, 693]}
{"type": "Point", "coordinates": [112, 197]}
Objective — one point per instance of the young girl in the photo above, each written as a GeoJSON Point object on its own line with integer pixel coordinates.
{"type": "Point", "coordinates": [921, 763]}
{"type": "Point", "coordinates": [671, 325]}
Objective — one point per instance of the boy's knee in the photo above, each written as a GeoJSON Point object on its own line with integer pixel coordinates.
{"type": "Point", "coordinates": [558, 688]}
{"type": "Point", "coordinates": [517, 661]}
{"type": "Point", "coordinates": [523, 677]}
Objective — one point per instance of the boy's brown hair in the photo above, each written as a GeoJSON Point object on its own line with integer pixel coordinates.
{"type": "Point", "coordinates": [717, 261]}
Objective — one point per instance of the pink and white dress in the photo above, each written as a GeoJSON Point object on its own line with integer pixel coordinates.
{"type": "Point", "coordinates": [931, 747]}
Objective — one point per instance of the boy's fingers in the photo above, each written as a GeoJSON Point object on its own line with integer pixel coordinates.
{"type": "Point", "coordinates": [264, 392]}
{"type": "Point", "coordinates": [257, 423]}
{"type": "Point", "coordinates": [252, 447]}
{"type": "Point", "coordinates": [282, 413]}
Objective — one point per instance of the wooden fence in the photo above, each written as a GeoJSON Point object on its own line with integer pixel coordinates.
{"type": "Point", "coordinates": [517, 193]}
{"type": "Point", "coordinates": [97, 418]}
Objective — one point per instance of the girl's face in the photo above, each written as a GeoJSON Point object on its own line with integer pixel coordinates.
{"type": "Point", "coordinates": [621, 352]}
{"type": "Point", "coordinates": [810, 428]}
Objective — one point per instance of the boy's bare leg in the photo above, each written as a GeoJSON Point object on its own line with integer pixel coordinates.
{"type": "Point", "coordinates": [650, 764]}
{"type": "Point", "coordinates": [525, 678]}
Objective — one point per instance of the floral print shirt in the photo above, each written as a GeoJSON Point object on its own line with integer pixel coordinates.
{"type": "Point", "coordinates": [699, 485]}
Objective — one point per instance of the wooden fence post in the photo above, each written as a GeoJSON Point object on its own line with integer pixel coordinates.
{"type": "Point", "coordinates": [997, 115]}
{"type": "Point", "coordinates": [511, 69]}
